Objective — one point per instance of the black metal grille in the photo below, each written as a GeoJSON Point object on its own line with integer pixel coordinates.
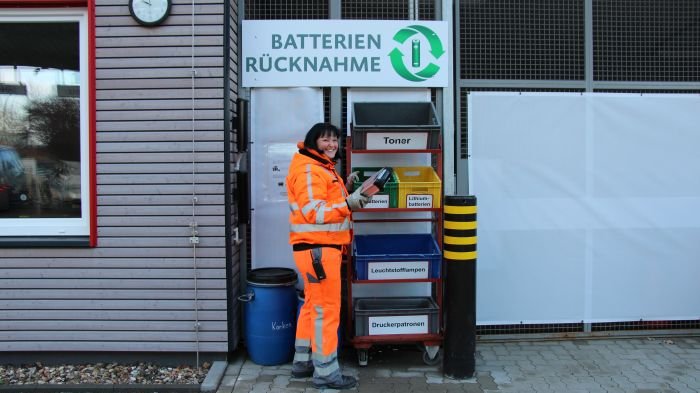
{"type": "Point", "coordinates": [426, 10]}
{"type": "Point", "coordinates": [372, 9]}
{"type": "Point", "coordinates": [327, 105]}
{"type": "Point", "coordinates": [645, 40]}
{"type": "Point", "coordinates": [645, 325]}
{"type": "Point", "coordinates": [343, 108]}
{"type": "Point", "coordinates": [350, 9]}
{"type": "Point", "coordinates": [554, 328]}
{"type": "Point", "coordinates": [343, 129]}
{"type": "Point", "coordinates": [646, 91]}
{"type": "Point", "coordinates": [286, 9]}
{"type": "Point", "coordinates": [522, 39]}
{"type": "Point", "coordinates": [539, 328]}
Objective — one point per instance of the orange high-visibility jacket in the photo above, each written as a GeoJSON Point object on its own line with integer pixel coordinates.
{"type": "Point", "coordinates": [316, 194]}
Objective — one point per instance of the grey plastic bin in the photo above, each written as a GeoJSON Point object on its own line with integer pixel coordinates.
{"type": "Point", "coordinates": [394, 306]}
{"type": "Point", "coordinates": [394, 118]}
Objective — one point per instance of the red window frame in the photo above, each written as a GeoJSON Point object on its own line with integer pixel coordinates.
{"type": "Point", "coordinates": [90, 5]}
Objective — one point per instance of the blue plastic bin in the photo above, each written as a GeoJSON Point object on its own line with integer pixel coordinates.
{"type": "Point", "coordinates": [396, 256]}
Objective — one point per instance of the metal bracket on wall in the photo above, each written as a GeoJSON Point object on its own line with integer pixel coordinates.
{"type": "Point", "coordinates": [236, 239]}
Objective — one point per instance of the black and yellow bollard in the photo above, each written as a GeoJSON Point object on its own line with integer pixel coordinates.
{"type": "Point", "coordinates": [459, 254]}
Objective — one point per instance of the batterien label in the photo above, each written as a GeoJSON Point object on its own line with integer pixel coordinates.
{"type": "Point", "coordinates": [378, 201]}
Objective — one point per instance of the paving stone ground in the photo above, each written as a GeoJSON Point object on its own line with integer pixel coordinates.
{"type": "Point", "coordinates": [611, 365]}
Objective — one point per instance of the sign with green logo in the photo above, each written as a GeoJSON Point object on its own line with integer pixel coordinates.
{"type": "Point", "coordinates": [369, 53]}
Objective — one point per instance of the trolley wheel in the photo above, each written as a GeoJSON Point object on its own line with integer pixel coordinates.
{"type": "Point", "coordinates": [434, 361]}
{"type": "Point", "coordinates": [362, 356]}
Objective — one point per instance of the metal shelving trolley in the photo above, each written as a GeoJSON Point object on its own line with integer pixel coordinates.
{"type": "Point", "coordinates": [394, 270]}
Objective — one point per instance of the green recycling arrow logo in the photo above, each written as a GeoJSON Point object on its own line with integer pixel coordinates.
{"type": "Point", "coordinates": [397, 57]}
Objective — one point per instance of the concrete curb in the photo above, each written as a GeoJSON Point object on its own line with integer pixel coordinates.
{"type": "Point", "coordinates": [214, 376]}
{"type": "Point", "coordinates": [100, 388]}
{"type": "Point", "coordinates": [236, 363]}
{"type": "Point", "coordinates": [17, 388]}
{"type": "Point", "coordinates": [189, 388]}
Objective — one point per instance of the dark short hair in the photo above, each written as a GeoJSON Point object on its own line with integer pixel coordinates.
{"type": "Point", "coordinates": [318, 130]}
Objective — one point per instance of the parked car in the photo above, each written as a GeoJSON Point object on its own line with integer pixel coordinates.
{"type": "Point", "coordinates": [13, 181]}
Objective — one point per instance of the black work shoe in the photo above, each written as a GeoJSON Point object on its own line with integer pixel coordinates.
{"type": "Point", "coordinates": [346, 382]}
{"type": "Point", "coordinates": [305, 373]}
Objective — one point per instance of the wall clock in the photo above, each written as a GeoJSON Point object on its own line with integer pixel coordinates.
{"type": "Point", "coordinates": [150, 12]}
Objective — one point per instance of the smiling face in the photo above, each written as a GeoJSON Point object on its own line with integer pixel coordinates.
{"type": "Point", "coordinates": [328, 145]}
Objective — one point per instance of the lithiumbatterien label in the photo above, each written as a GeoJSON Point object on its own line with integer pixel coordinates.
{"type": "Point", "coordinates": [418, 201]}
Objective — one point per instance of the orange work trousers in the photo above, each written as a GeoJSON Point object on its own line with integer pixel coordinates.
{"type": "Point", "coordinates": [320, 315]}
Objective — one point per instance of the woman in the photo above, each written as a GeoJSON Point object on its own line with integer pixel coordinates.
{"type": "Point", "coordinates": [320, 223]}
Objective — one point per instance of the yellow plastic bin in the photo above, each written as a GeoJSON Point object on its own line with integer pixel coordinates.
{"type": "Point", "coordinates": [419, 187]}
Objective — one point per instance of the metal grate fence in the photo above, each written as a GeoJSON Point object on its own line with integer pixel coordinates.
{"type": "Point", "coordinates": [426, 10]}
{"type": "Point", "coordinates": [643, 40]}
{"type": "Point", "coordinates": [539, 328]}
{"type": "Point", "coordinates": [571, 330]}
{"type": "Point", "coordinates": [286, 9]}
{"type": "Point", "coordinates": [388, 10]}
{"type": "Point", "coordinates": [350, 9]}
{"type": "Point", "coordinates": [523, 40]}
{"type": "Point", "coordinates": [372, 9]}
{"type": "Point", "coordinates": [645, 325]}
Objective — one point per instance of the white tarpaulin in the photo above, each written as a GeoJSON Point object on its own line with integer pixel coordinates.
{"type": "Point", "coordinates": [279, 119]}
{"type": "Point", "coordinates": [588, 206]}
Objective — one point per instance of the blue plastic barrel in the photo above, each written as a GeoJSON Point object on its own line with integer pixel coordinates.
{"type": "Point", "coordinates": [270, 315]}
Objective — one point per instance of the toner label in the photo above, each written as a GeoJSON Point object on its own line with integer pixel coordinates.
{"type": "Point", "coordinates": [397, 140]}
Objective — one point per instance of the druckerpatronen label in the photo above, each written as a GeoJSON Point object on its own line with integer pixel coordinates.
{"type": "Point", "coordinates": [403, 324]}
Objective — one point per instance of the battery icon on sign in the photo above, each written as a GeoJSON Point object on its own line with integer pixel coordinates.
{"type": "Point", "coordinates": [415, 53]}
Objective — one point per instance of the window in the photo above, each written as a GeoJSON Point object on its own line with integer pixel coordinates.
{"type": "Point", "coordinates": [44, 127]}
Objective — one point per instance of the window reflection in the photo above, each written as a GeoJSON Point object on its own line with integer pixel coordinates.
{"type": "Point", "coordinates": [39, 122]}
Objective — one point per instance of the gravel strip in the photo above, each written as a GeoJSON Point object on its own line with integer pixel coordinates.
{"type": "Point", "coordinates": [102, 373]}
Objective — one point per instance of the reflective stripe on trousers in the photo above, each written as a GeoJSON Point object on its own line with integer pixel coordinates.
{"type": "Point", "coordinates": [320, 315]}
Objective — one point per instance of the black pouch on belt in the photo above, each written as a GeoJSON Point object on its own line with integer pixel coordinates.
{"type": "Point", "coordinates": [316, 263]}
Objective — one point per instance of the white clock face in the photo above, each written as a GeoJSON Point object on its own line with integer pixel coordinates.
{"type": "Point", "coordinates": [149, 11]}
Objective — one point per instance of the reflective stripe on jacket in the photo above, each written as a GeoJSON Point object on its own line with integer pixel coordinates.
{"type": "Point", "coordinates": [316, 194]}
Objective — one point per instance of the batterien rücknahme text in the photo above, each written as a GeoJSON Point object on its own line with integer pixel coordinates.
{"type": "Point", "coordinates": [325, 42]}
